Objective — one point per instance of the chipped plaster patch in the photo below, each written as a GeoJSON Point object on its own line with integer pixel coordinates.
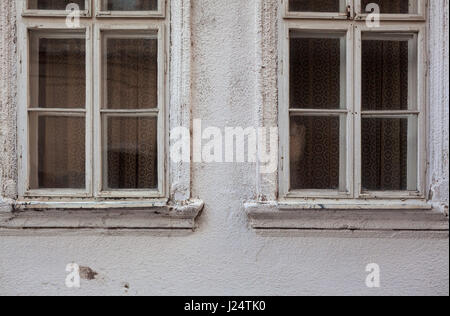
{"type": "Point", "coordinates": [87, 273]}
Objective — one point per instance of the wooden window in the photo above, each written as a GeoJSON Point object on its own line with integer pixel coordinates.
{"type": "Point", "coordinates": [353, 97]}
{"type": "Point", "coordinates": [94, 120]}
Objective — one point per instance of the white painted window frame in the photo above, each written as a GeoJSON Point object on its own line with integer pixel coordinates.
{"type": "Point", "coordinates": [420, 112]}
{"type": "Point", "coordinates": [354, 28]}
{"type": "Point", "coordinates": [159, 113]}
{"type": "Point", "coordinates": [55, 13]}
{"type": "Point", "coordinates": [52, 30]}
{"type": "Point", "coordinates": [353, 9]}
{"type": "Point", "coordinates": [285, 113]}
{"type": "Point", "coordinates": [92, 29]}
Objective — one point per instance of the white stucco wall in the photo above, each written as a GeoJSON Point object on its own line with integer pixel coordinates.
{"type": "Point", "coordinates": [8, 67]}
{"type": "Point", "coordinates": [223, 256]}
{"type": "Point", "coordinates": [439, 102]}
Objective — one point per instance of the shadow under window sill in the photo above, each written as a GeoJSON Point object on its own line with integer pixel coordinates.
{"type": "Point", "coordinates": [110, 215]}
{"type": "Point", "coordinates": [359, 220]}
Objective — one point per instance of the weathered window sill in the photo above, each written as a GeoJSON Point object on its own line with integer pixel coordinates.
{"type": "Point", "coordinates": [410, 218]}
{"type": "Point", "coordinates": [102, 215]}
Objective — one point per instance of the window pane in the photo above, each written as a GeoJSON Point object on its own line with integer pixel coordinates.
{"type": "Point", "coordinates": [392, 6]}
{"type": "Point", "coordinates": [132, 73]}
{"type": "Point", "coordinates": [315, 152]}
{"type": "Point", "coordinates": [57, 150]}
{"type": "Point", "coordinates": [54, 4]}
{"type": "Point", "coordinates": [317, 72]}
{"type": "Point", "coordinates": [388, 75]}
{"type": "Point", "coordinates": [58, 72]}
{"type": "Point", "coordinates": [130, 5]}
{"type": "Point", "coordinates": [131, 151]}
{"type": "Point", "coordinates": [389, 154]}
{"type": "Point", "coordinates": [316, 5]}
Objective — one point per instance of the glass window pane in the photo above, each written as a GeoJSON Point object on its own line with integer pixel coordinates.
{"type": "Point", "coordinates": [130, 5]}
{"type": "Point", "coordinates": [317, 71]}
{"type": "Point", "coordinates": [54, 4]}
{"type": "Point", "coordinates": [57, 151]}
{"type": "Point", "coordinates": [389, 74]}
{"type": "Point", "coordinates": [389, 154]}
{"type": "Point", "coordinates": [316, 152]}
{"type": "Point", "coordinates": [317, 5]}
{"type": "Point", "coordinates": [131, 73]}
{"type": "Point", "coordinates": [392, 6]}
{"type": "Point", "coordinates": [58, 72]}
{"type": "Point", "coordinates": [131, 152]}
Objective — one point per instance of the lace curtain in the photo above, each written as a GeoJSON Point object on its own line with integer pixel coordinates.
{"type": "Point", "coordinates": [315, 141]}
{"type": "Point", "coordinates": [130, 143]}
{"type": "Point", "coordinates": [61, 139]}
{"type": "Point", "coordinates": [386, 6]}
{"type": "Point", "coordinates": [385, 141]}
{"type": "Point", "coordinates": [315, 84]}
{"type": "Point", "coordinates": [55, 4]}
{"type": "Point", "coordinates": [389, 6]}
{"type": "Point", "coordinates": [132, 84]}
{"type": "Point", "coordinates": [314, 6]}
{"type": "Point", "coordinates": [131, 5]}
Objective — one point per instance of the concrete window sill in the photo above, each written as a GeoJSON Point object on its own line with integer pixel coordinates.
{"type": "Point", "coordinates": [420, 219]}
{"type": "Point", "coordinates": [102, 215]}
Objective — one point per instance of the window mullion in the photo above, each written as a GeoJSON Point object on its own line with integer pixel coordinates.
{"type": "Point", "coordinates": [357, 78]}
{"type": "Point", "coordinates": [96, 118]}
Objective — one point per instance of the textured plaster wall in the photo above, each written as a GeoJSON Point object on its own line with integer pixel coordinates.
{"type": "Point", "coordinates": [8, 67]}
{"type": "Point", "coordinates": [439, 102]}
{"type": "Point", "coordinates": [223, 256]}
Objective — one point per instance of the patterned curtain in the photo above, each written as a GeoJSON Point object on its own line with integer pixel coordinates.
{"type": "Point", "coordinates": [62, 73]}
{"type": "Point", "coordinates": [314, 6]}
{"type": "Point", "coordinates": [132, 5]}
{"type": "Point", "coordinates": [132, 66]}
{"type": "Point", "coordinates": [61, 152]}
{"type": "Point", "coordinates": [315, 84]}
{"type": "Point", "coordinates": [385, 75]}
{"type": "Point", "coordinates": [384, 141]}
{"type": "Point", "coordinates": [56, 4]}
{"type": "Point", "coordinates": [314, 153]}
{"type": "Point", "coordinates": [132, 153]}
{"type": "Point", "coordinates": [132, 80]}
{"type": "Point", "coordinates": [388, 6]}
{"type": "Point", "coordinates": [61, 144]}
{"type": "Point", "coordinates": [315, 66]}
{"type": "Point", "coordinates": [384, 154]}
